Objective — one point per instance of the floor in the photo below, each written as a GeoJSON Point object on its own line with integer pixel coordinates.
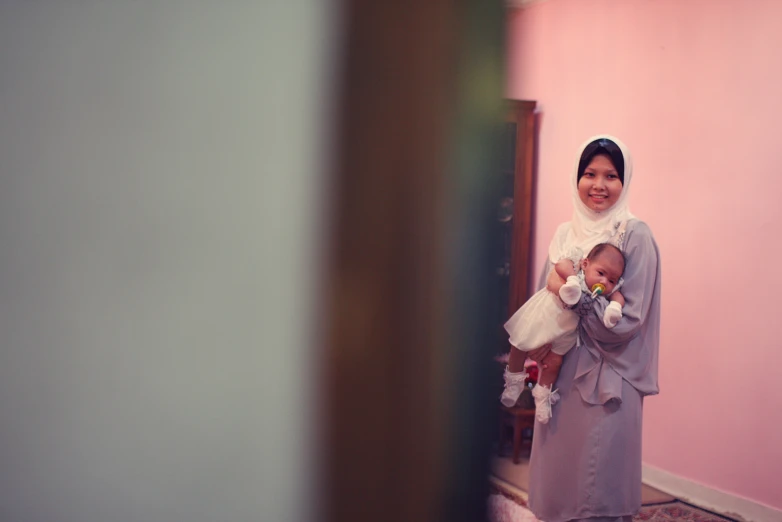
{"type": "Point", "coordinates": [506, 473]}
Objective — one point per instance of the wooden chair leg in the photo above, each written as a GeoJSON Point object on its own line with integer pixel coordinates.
{"type": "Point", "coordinates": [501, 439]}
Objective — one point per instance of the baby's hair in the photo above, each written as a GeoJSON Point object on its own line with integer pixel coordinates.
{"type": "Point", "coordinates": [606, 247]}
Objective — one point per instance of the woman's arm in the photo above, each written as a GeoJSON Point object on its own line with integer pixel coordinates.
{"type": "Point", "coordinates": [640, 278]}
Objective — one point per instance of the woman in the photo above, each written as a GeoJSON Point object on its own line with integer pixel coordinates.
{"type": "Point", "coordinates": [586, 462]}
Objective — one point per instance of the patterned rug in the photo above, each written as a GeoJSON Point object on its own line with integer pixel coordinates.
{"type": "Point", "coordinates": [504, 507]}
{"type": "Point", "coordinates": [676, 511]}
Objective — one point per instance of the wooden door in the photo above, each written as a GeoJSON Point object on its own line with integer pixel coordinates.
{"type": "Point", "coordinates": [521, 116]}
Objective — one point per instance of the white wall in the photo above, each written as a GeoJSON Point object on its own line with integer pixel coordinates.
{"type": "Point", "coordinates": [159, 180]}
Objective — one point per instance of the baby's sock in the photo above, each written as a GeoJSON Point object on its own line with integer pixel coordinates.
{"type": "Point", "coordinates": [514, 384]}
{"type": "Point", "coordinates": [545, 398]}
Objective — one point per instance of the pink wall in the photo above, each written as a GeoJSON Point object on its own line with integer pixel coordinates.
{"type": "Point", "coordinates": [695, 90]}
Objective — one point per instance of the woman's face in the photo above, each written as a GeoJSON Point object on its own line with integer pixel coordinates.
{"type": "Point", "coordinates": [599, 188]}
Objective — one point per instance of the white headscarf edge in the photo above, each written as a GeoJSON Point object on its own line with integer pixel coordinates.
{"type": "Point", "coordinates": [588, 228]}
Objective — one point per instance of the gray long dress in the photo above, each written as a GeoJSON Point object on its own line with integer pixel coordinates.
{"type": "Point", "coordinates": [586, 462]}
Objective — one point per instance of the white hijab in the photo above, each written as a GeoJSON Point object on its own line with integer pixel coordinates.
{"type": "Point", "coordinates": [588, 228]}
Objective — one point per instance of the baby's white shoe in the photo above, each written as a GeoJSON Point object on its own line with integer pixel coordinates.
{"type": "Point", "coordinates": [570, 292]}
{"type": "Point", "coordinates": [612, 314]}
{"type": "Point", "coordinates": [514, 384]}
{"type": "Point", "coordinates": [544, 400]}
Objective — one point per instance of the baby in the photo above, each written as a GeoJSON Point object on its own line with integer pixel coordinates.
{"type": "Point", "coordinates": [548, 319]}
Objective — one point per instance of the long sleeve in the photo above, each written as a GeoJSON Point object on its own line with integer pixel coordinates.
{"type": "Point", "coordinates": [641, 274]}
{"type": "Point", "coordinates": [629, 351]}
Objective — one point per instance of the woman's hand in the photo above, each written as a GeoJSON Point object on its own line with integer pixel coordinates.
{"type": "Point", "coordinates": [538, 354]}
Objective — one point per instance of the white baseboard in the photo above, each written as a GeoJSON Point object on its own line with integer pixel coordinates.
{"type": "Point", "coordinates": [709, 498]}
{"type": "Point", "coordinates": [508, 487]}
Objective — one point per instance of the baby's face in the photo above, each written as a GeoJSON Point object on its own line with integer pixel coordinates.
{"type": "Point", "coordinates": [605, 269]}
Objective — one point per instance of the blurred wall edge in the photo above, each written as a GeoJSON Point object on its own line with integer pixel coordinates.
{"type": "Point", "coordinates": [409, 293]}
